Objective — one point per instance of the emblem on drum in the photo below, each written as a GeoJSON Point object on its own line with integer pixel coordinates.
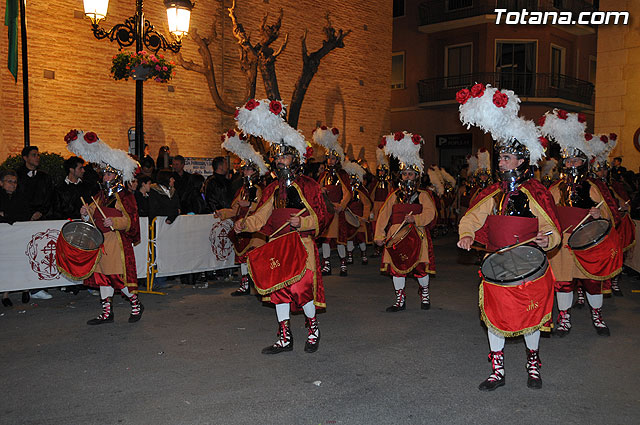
{"type": "Point", "coordinates": [41, 251]}
{"type": "Point", "coordinates": [221, 246]}
{"type": "Point", "coordinates": [273, 263]}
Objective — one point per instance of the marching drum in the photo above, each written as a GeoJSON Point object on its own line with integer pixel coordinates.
{"type": "Point", "coordinates": [78, 249]}
{"type": "Point", "coordinates": [351, 218]}
{"type": "Point", "coordinates": [596, 248]}
{"type": "Point", "coordinates": [405, 249]}
{"type": "Point", "coordinates": [515, 267]}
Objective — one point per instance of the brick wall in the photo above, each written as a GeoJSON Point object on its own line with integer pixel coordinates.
{"type": "Point", "coordinates": [351, 89]}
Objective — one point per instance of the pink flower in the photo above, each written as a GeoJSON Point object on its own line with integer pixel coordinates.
{"type": "Point", "coordinates": [231, 133]}
{"type": "Point", "coordinates": [158, 68]}
{"type": "Point", "coordinates": [235, 114]}
{"type": "Point", "coordinates": [158, 80]}
{"type": "Point", "coordinates": [613, 136]}
{"type": "Point", "coordinates": [309, 152]}
{"type": "Point", "coordinates": [581, 117]}
{"type": "Point", "coordinates": [164, 68]}
{"type": "Point", "coordinates": [544, 142]}
{"type": "Point", "coordinates": [323, 127]}
{"type": "Point", "coordinates": [90, 137]}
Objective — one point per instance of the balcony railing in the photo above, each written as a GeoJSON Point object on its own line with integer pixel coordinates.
{"type": "Point", "coordinates": [523, 84]}
{"type": "Point", "coordinates": [436, 11]}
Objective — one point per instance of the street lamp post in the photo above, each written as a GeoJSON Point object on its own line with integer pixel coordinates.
{"type": "Point", "coordinates": [138, 30]}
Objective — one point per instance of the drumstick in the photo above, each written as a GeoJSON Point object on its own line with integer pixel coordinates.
{"type": "Point", "coordinates": [620, 207]}
{"type": "Point", "coordinates": [302, 211]}
{"type": "Point", "coordinates": [244, 219]}
{"type": "Point", "coordinates": [88, 212]}
{"type": "Point", "coordinates": [100, 209]}
{"type": "Point", "coordinates": [401, 225]}
{"type": "Point", "coordinates": [509, 248]}
{"type": "Point", "coordinates": [587, 216]}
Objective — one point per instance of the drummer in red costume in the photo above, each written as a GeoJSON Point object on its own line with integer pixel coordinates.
{"type": "Point", "coordinates": [245, 201]}
{"type": "Point", "coordinates": [516, 209]}
{"type": "Point", "coordinates": [360, 207]}
{"type": "Point", "coordinates": [407, 209]}
{"type": "Point", "coordinates": [292, 203]}
{"type": "Point", "coordinates": [578, 196]}
{"type": "Point", "coordinates": [116, 268]}
{"type": "Point", "coordinates": [380, 188]}
{"type": "Point", "coordinates": [335, 184]}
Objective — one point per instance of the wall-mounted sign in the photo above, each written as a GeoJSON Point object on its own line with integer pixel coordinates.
{"type": "Point", "coordinates": [463, 140]}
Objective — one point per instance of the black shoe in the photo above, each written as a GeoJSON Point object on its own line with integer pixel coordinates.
{"type": "Point", "coordinates": [6, 302]}
{"type": "Point", "coordinates": [425, 306]}
{"type": "Point", "coordinates": [617, 292]}
{"type": "Point", "coordinates": [343, 272]}
{"type": "Point", "coordinates": [490, 385]}
{"type": "Point", "coordinates": [272, 349]}
{"type": "Point", "coordinates": [603, 331]}
{"type": "Point", "coordinates": [26, 297]}
{"type": "Point", "coordinates": [394, 308]}
{"type": "Point", "coordinates": [239, 292]}
{"type": "Point", "coordinates": [133, 318]}
{"type": "Point", "coordinates": [533, 383]}
{"type": "Point", "coordinates": [562, 333]}
{"type": "Point", "coordinates": [99, 321]}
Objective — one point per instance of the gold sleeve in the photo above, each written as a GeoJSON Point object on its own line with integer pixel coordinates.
{"type": "Point", "coordinates": [428, 213]}
{"type": "Point", "coordinates": [474, 218]}
{"type": "Point", "coordinates": [259, 218]}
{"type": "Point", "coordinates": [383, 218]}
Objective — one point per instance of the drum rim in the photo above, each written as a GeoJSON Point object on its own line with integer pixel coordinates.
{"type": "Point", "coordinates": [592, 244]}
{"type": "Point", "coordinates": [521, 279]}
{"type": "Point", "coordinates": [408, 226]}
{"type": "Point", "coordinates": [84, 223]}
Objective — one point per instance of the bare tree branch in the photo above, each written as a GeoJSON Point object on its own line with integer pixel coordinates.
{"type": "Point", "coordinates": [284, 44]}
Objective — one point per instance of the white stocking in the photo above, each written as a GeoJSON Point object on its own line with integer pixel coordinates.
{"type": "Point", "coordinates": [106, 292]}
{"type": "Point", "coordinates": [126, 292]}
{"type": "Point", "coordinates": [282, 311]}
{"type": "Point", "coordinates": [342, 252]}
{"type": "Point", "coordinates": [244, 270]}
{"type": "Point", "coordinates": [309, 309]}
{"type": "Point", "coordinates": [496, 342]}
{"type": "Point", "coordinates": [532, 340]}
{"type": "Point", "coordinates": [398, 283]}
{"type": "Point", "coordinates": [363, 246]}
{"type": "Point", "coordinates": [349, 246]}
{"type": "Point", "coordinates": [564, 300]}
{"type": "Point", "coordinates": [595, 301]}
{"type": "Point", "coordinates": [326, 250]}
{"type": "Point", "coordinates": [424, 281]}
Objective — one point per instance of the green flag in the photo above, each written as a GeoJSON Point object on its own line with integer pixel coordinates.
{"type": "Point", "coordinates": [11, 20]}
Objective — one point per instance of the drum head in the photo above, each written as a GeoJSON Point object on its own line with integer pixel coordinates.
{"type": "Point", "coordinates": [513, 267]}
{"type": "Point", "coordinates": [351, 218]}
{"type": "Point", "coordinates": [82, 235]}
{"type": "Point", "coordinates": [402, 233]}
{"type": "Point", "coordinates": [589, 234]}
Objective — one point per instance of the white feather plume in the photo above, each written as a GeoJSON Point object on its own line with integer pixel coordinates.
{"type": "Point", "coordinates": [354, 169]}
{"type": "Point", "coordinates": [484, 160]}
{"type": "Point", "coordinates": [447, 177]}
{"type": "Point", "coordinates": [568, 133]}
{"type": "Point", "coordinates": [381, 158]}
{"type": "Point", "coordinates": [100, 153]}
{"type": "Point", "coordinates": [259, 121]}
{"type": "Point", "coordinates": [435, 177]}
{"type": "Point", "coordinates": [472, 160]}
{"type": "Point", "coordinates": [404, 149]}
{"type": "Point", "coordinates": [237, 144]}
{"type": "Point", "coordinates": [600, 148]}
{"type": "Point", "coordinates": [327, 137]}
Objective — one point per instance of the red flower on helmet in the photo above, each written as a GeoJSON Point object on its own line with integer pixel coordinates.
{"type": "Point", "coordinates": [252, 104]}
{"type": "Point", "coordinates": [71, 136]}
{"type": "Point", "coordinates": [416, 139]}
{"type": "Point", "coordinates": [398, 135]}
{"type": "Point", "coordinates": [335, 131]}
{"type": "Point", "coordinates": [562, 114]}
{"type": "Point", "coordinates": [323, 127]}
{"type": "Point", "coordinates": [544, 142]}
{"type": "Point", "coordinates": [588, 136]}
{"type": "Point", "coordinates": [613, 136]}
{"type": "Point", "coordinates": [231, 133]}
{"type": "Point", "coordinates": [542, 120]}
{"type": "Point", "coordinates": [500, 99]}
{"type": "Point", "coordinates": [582, 117]}
{"type": "Point", "coordinates": [275, 107]}
{"type": "Point", "coordinates": [382, 143]}
{"type": "Point", "coordinates": [235, 115]}
{"type": "Point", "coordinates": [604, 139]}
{"type": "Point", "coordinates": [223, 137]}
{"type": "Point", "coordinates": [477, 90]}
{"type": "Point", "coordinates": [309, 152]}
{"type": "Point", "coordinates": [90, 137]}
{"type": "Point", "coordinates": [462, 96]}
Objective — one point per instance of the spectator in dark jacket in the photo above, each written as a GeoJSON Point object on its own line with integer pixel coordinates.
{"type": "Point", "coordinates": [194, 201]}
{"type": "Point", "coordinates": [164, 158]}
{"type": "Point", "coordinates": [35, 184]}
{"type": "Point", "coordinates": [142, 195]}
{"type": "Point", "coordinates": [148, 168]}
{"type": "Point", "coordinates": [218, 187]}
{"type": "Point", "coordinates": [181, 177]}
{"type": "Point", "coordinates": [163, 200]}
{"type": "Point", "coordinates": [69, 193]}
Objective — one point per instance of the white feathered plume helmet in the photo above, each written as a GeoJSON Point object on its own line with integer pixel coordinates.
{"type": "Point", "coordinates": [405, 147]}
{"type": "Point", "coordinates": [601, 146]}
{"type": "Point", "coordinates": [484, 161]}
{"type": "Point", "coordinates": [568, 130]}
{"type": "Point", "coordinates": [496, 111]}
{"type": "Point", "coordinates": [263, 118]}
{"type": "Point", "coordinates": [327, 137]}
{"type": "Point", "coordinates": [547, 167]}
{"type": "Point", "coordinates": [381, 158]}
{"type": "Point", "coordinates": [436, 179]}
{"type": "Point", "coordinates": [89, 146]}
{"type": "Point", "coordinates": [354, 170]}
{"type": "Point", "coordinates": [472, 160]}
{"type": "Point", "coordinates": [236, 142]}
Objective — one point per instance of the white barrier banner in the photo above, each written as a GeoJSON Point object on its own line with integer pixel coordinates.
{"type": "Point", "coordinates": [193, 243]}
{"type": "Point", "coordinates": [632, 259]}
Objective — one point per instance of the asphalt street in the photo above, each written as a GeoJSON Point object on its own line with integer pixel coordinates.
{"type": "Point", "coordinates": [194, 358]}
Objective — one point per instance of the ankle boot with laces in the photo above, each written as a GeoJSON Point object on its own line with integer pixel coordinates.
{"type": "Point", "coordinates": [564, 323]}
{"type": "Point", "coordinates": [326, 267]}
{"type": "Point", "coordinates": [598, 322]}
{"type": "Point", "coordinates": [313, 339]}
{"type": "Point", "coordinates": [580, 300]}
{"type": "Point", "coordinates": [364, 258]}
{"type": "Point", "coordinates": [136, 308]}
{"type": "Point", "coordinates": [107, 313]}
{"type": "Point", "coordinates": [349, 257]}
{"type": "Point", "coordinates": [615, 288]}
{"type": "Point", "coordinates": [425, 301]}
{"type": "Point", "coordinates": [244, 287]}
{"type": "Point", "coordinates": [284, 341]}
{"type": "Point", "coordinates": [343, 267]}
{"type": "Point", "coordinates": [399, 304]}
{"type": "Point", "coordinates": [496, 379]}
{"type": "Point", "coordinates": [533, 369]}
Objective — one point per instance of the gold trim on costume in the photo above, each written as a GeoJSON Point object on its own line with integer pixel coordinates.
{"type": "Point", "coordinates": [93, 269]}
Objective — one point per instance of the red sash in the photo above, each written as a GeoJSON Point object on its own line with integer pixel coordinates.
{"type": "Point", "coordinates": [278, 264]}
{"type": "Point", "coordinates": [505, 230]}
{"type": "Point", "coordinates": [570, 216]}
{"type": "Point", "coordinates": [76, 263]}
{"type": "Point", "coordinates": [399, 211]}
{"type": "Point", "coordinates": [517, 310]}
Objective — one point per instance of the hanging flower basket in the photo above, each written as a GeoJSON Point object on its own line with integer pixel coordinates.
{"type": "Point", "coordinates": [142, 66]}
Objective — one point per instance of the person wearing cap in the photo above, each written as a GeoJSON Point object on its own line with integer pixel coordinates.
{"type": "Point", "coordinates": [578, 196]}
{"type": "Point", "coordinates": [245, 201]}
{"type": "Point", "coordinates": [412, 209]}
{"type": "Point", "coordinates": [360, 206]}
{"type": "Point", "coordinates": [116, 268]}
{"type": "Point", "coordinates": [335, 184]}
{"type": "Point", "coordinates": [292, 203]}
{"type": "Point", "coordinates": [380, 188]}
{"type": "Point", "coordinates": [515, 209]}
